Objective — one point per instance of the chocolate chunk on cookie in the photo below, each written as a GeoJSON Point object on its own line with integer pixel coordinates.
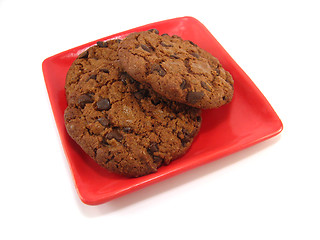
{"type": "Point", "coordinates": [176, 69]}
{"type": "Point", "coordinates": [122, 124]}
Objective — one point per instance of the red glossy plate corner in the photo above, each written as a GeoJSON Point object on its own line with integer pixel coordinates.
{"type": "Point", "coordinates": [247, 120]}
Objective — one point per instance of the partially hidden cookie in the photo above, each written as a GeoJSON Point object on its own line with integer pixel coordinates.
{"type": "Point", "coordinates": [177, 69]}
{"type": "Point", "coordinates": [123, 125]}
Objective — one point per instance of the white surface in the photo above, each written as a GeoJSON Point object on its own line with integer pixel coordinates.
{"type": "Point", "coordinates": [269, 191]}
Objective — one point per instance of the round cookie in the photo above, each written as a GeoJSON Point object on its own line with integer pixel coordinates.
{"type": "Point", "coordinates": [123, 125]}
{"type": "Point", "coordinates": [177, 69]}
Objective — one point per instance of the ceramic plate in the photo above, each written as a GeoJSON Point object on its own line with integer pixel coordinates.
{"type": "Point", "coordinates": [247, 120]}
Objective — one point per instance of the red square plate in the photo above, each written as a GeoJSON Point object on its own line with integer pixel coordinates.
{"type": "Point", "coordinates": [247, 120]}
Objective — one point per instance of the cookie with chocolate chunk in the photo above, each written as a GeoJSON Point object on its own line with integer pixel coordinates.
{"type": "Point", "coordinates": [177, 69]}
{"type": "Point", "coordinates": [123, 125]}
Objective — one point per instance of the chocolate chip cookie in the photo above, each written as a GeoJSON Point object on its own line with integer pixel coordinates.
{"type": "Point", "coordinates": [177, 69]}
{"type": "Point", "coordinates": [123, 125]}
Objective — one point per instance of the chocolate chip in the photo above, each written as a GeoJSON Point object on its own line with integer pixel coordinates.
{"type": "Point", "coordinates": [195, 54]}
{"type": "Point", "coordinates": [153, 30]}
{"type": "Point", "coordinates": [123, 79]}
{"type": "Point", "coordinates": [103, 121]}
{"type": "Point", "coordinates": [84, 99]}
{"type": "Point", "coordinates": [184, 84]}
{"type": "Point", "coordinates": [104, 70]}
{"type": "Point", "coordinates": [103, 104]}
{"type": "Point", "coordinates": [92, 76]}
{"type": "Point", "coordinates": [217, 71]}
{"type": "Point", "coordinates": [185, 140]}
{"type": "Point", "coordinates": [162, 72]}
{"type": "Point", "coordinates": [146, 48]}
{"type": "Point", "coordinates": [131, 80]}
{"type": "Point", "coordinates": [153, 147]}
{"type": "Point", "coordinates": [194, 97]}
{"type": "Point", "coordinates": [186, 136]}
{"type": "Point", "coordinates": [114, 134]}
{"type": "Point", "coordinates": [187, 133]}
{"type": "Point", "coordinates": [165, 45]}
{"type": "Point", "coordinates": [85, 54]}
{"type": "Point", "coordinates": [198, 119]}
{"type": "Point", "coordinates": [192, 43]}
{"type": "Point", "coordinates": [157, 160]}
{"type": "Point", "coordinates": [127, 129]}
{"type": "Point", "coordinates": [205, 86]}
{"type": "Point", "coordinates": [174, 56]}
{"type": "Point", "coordinates": [102, 44]}
{"type": "Point", "coordinates": [165, 34]}
{"type": "Point", "coordinates": [159, 69]}
{"type": "Point", "coordinates": [142, 93]}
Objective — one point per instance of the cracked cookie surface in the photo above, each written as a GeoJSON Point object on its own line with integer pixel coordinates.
{"type": "Point", "coordinates": [177, 69]}
{"type": "Point", "coordinates": [123, 125]}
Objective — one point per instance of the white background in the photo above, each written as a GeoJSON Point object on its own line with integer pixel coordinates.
{"type": "Point", "coordinates": [268, 191]}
